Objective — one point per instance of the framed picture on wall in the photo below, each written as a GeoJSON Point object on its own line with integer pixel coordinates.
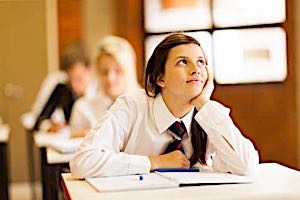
{"type": "Point", "coordinates": [203, 37]}
{"type": "Point", "coordinates": [250, 55]}
{"type": "Point", "coordinates": [229, 13]}
{"type": "Point", "coordinates": [176, 15]}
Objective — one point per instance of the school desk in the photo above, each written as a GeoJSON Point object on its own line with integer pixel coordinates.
{"type": "Point", "coordinates": [52, 163]}
{"type": "Point", "coordinates": [272, 181]}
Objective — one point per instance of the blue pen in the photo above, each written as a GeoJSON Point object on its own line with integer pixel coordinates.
{"type": "Point", "coordinates": [176, 170]}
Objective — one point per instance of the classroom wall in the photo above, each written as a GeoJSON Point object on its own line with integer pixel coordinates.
{"type": "Point", "coordinates": [52, 35]}
{"type": "Point", "coordinates": [23, 64]}
{"type": "Point", "coordinates": [297, 66]}
{"type": "Point", "coordinates": [69, 22]}
{"type": "Point", "coordinates": [98, 20]}
{"type": "Point", "coordinates": [129, 24]}
{"type": "Point", "coordinates": [267, 112]}
{"type": "Point", "coordinates": [31, 37]}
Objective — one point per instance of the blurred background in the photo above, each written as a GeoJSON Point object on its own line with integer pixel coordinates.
{"type": "Point", "coordinates": [252, 48]}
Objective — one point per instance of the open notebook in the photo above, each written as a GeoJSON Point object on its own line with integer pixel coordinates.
{"type": "Point", "coordinates": [164, 180]}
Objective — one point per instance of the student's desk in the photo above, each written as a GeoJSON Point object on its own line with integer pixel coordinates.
{"type": "Point", "coordinates": [4, 135]}
{"type": "Point", "coordinates": [52, 163]}
{"type": "Point", "coordinates": [272, 181]}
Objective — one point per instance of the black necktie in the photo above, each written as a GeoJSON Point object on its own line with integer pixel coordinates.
{"type": "Point", "coordinates": [178, 129]}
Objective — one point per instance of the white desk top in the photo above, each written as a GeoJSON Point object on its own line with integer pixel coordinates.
{"type": "Point", "coordinates": [54, 157]}
{"type": "Point", "coordinates": [272, 181]}
{"type": "Point", "coordinates": [4, 133]}
{"type": "Point", "coordinates": [43, 139]}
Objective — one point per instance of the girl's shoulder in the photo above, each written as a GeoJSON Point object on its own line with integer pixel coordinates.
{"type": "Point", "coordinates": [136, 98]}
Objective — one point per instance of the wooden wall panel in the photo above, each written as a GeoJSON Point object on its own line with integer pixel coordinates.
{"type": "Point", "coordinates": [265, 113]}
{"type": "Point", "coordinates": [69, 22]}
{"type": "Point", "coordinates": [129, 25]}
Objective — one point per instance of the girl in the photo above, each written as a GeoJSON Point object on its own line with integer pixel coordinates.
{"type": "Point", "coordinates": [172, 124]}
{"type": "Point", "coordinates": [115, 61]}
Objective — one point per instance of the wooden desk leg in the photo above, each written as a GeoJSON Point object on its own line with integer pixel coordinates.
{"type": "Point", "coordinates": [31, 166]}
{"type": "Point", "coordinates": [65, 190]}
{"type": "Point", "coordinates": [54, 172]}
{"type": "Point", "coordinates": [50, 176]}
{"type": "Point", "coordinates": [3, 172]}
{"type": "Point", "coordinates": [45, 174]}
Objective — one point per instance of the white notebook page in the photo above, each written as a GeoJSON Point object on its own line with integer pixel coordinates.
{"type": "Point", "coordinates": [194, 178]}
{"type": "Point", "coordinates": [131, 182]}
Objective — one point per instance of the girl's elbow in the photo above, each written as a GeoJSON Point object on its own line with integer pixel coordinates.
{"type": "Point", "coordinates": [249, 167]}
{"type": "Point", "coordinates": [77, 169]}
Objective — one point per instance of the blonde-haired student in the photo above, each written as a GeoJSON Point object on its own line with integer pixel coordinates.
{"type": "Point", "coordinates": [173, 123]}
{"type": "Point", "coordinates": [116, 66]}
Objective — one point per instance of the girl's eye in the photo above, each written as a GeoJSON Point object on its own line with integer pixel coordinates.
{"type": "Point", "coordinates": [201, 62]}
{"type": "Point", "coordinates": [182, 62]}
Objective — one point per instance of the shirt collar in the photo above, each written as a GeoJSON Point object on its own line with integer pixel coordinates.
{"type": "Point", "coordinates": [164, 118]}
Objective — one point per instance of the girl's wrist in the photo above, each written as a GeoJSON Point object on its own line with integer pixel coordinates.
{"type": "Point", "coordinates": [201, 103]}
{"type": "Point", "coordinates": [153, 162]}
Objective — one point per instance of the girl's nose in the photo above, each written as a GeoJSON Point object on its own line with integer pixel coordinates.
{"type": "Point", "coordinates": [111, 76]}
{"type": "Point", "coordinates": [195, 69]}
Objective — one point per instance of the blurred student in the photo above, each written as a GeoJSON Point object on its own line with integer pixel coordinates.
{"type": "Point", "coordinates": [29, 118]}
{"type": "Point", "coordinates": [171, 124]}
{"type": "Point", "coordinates": [116, 67]}
{"type": "Point", "coordinates": [55, 114]}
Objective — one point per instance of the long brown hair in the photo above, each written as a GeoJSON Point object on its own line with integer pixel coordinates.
{"type": "Point", "coordinates": [156, 68]}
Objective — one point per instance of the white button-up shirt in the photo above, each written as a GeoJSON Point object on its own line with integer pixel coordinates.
{"type": "Point", "coordinates": [87, 110]}
{"type": "Point", "coordinates": [136, 127]}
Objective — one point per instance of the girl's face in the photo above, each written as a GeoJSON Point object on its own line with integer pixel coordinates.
{"type": "Point", "coordinates": [185, 73]}
{"type": "Point", "coordinates": [79, 78]}
{"type": "Point", "coordinates": [112, 76]}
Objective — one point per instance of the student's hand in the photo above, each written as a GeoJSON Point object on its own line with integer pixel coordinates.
{"type": "Point", "coordinates": [55, 127]}
{"type": "Point", "coordinates": [81, 133]}
{"type": "Point", "coordinates": [174, 159]}
{"type": "Point", "coordinates": [206, 93]}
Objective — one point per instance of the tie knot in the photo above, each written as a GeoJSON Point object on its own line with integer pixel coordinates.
{"type": "Point", "coordinates": [178, 128]}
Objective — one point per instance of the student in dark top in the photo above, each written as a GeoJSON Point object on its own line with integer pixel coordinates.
{"type": "Point", "coordinates": [79, 73]}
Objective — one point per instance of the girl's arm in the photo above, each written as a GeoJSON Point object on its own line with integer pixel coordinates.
{"type": "Point", "coordinates": [234, 152]}
{"type": "Point", "coordinates": [49, 107]}
{"type": "Point", "coordinates": [100, 153]}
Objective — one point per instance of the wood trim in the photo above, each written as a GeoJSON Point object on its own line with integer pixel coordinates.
{"type": "Point", "coordinates": [52, 35]}
{"type": "Point", "coordinates": [69, 22]}
{"type": "Point", "coordinates": [130, 26]}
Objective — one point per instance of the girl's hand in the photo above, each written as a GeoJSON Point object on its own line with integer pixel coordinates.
{"type": "Point", "coordinates": [175, 159]}
{"type": "Point", "coordinates": [206, 93]}
{"type": "Point", "coordinates": [55, 127]}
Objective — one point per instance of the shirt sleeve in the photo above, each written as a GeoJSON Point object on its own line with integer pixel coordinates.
{"type": "Point", "coordinates": [101, 154]}
{"type": "Point", "coordinates": [233, 152]}
{"type": "Point", "coordinates": [78, 119]}
{"type": "Point", "coordinates": [49, 107]}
